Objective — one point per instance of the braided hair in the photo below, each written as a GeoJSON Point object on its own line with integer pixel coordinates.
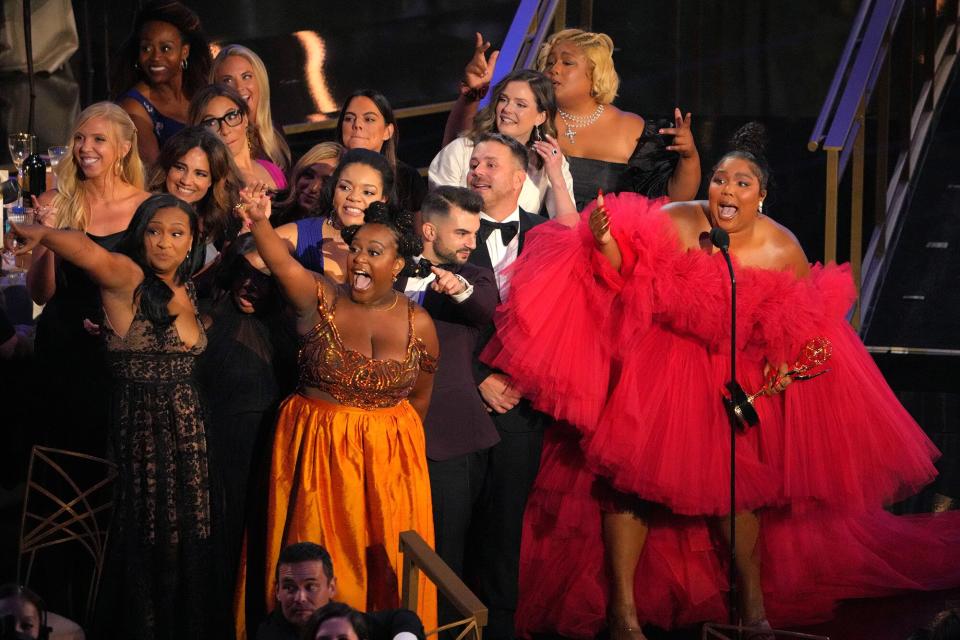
{"type": "Point", "coordinates": [749, 142]}
{"type": "Point", "coordinates": [400, 223]}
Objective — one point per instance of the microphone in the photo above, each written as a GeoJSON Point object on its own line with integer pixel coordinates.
{"type": "Point", "coordinates": [720, 239]}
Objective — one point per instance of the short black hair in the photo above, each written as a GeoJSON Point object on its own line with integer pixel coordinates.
{"type": "Point", "coordinates": [305, 552]}
{"type": "Point", "coordinates": [333, 610]}
{"type": "Point", "coordinates": [437, 203]}
{"type": "Point", "coordinates": [518, 150]}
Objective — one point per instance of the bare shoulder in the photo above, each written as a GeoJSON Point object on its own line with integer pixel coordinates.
{"type": "Point", "coordinates": [785, 248]}
{"type": "Point", "coordinates": [629, 123]}
{"type": "Point", "coordinates": [689, 219]}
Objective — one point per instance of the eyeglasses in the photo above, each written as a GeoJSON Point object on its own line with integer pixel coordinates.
{"type": "Point", "coordinates": [232, 118]}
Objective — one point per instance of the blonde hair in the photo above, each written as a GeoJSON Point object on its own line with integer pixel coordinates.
{"type": "Point", "coordinates": [318, 152]}
{"type": "Point", "coordinates": [274, 146]}
{"type": "Point", "coordinates": [598, 48]}
{"type": "Point", "coordinates": [70, 203]}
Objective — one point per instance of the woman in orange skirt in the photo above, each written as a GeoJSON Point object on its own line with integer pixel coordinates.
{"type": "Point", "coordinates": [349, 468]}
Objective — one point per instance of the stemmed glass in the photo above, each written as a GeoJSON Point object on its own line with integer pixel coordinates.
{"type": "Point", "coordinates": [21, 145]}
{"type": "Point", "coordinates": [56, 155]}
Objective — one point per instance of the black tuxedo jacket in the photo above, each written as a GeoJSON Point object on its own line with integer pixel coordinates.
{"type": "Point", "coordinates": [522, 417]}
{"type": "Point", "coordinates": [457, 422]}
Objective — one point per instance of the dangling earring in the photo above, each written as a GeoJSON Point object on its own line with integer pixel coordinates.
{"type": "Point", "coordinates": [760, 208]}
{"type": "Point", "coordinates": [183, 64]}
{"type": "Point", "coordinates": [537, 135]}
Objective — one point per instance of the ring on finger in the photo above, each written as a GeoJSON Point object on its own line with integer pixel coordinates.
{"type": "Point", "coordinates": [554, 151]}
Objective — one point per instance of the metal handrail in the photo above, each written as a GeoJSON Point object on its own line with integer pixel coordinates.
{"type": "Point", "coordinates": [862, 79]}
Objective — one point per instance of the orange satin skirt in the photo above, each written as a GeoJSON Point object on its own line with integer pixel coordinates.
{"type": "Point", "coordinates": [351, 480]}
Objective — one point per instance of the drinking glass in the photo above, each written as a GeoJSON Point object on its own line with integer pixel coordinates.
{"type": "Point", "coordinates": [21, 145]}
{"type": "Point", "coordinates": [55, 154]}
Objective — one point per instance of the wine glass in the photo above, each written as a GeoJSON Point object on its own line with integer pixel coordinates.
{"type": "Point", "coordinates": [21, 145]}
{"type": "Point", "coordinates": [55, 154]}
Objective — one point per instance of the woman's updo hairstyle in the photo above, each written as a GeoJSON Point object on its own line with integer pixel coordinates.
{"type": "Point", "coordinates": [749, 142]}
{"type": "Point", "coordinates": [400, 223]}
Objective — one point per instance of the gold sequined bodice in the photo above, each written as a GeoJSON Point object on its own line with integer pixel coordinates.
{"type": "Point", "coordinates": [352, 378]}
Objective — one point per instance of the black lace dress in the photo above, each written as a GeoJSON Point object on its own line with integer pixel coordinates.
{"type": "Point", "coordinates": [160, 546]}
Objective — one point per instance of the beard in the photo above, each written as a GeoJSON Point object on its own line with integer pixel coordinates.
{"type": "Point", "coordinates": [448, 254]}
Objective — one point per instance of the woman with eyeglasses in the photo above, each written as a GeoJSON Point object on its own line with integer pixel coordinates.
{"type": "Point", "coordinates": [222, 110]}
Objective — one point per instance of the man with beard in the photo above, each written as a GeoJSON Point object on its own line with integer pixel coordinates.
{"type": "Point", "coordinates": [305, 582]}
{"type": "Point", "coordinates": [498, 168]}
{"type": "Point", "coordinates": [461, 298]}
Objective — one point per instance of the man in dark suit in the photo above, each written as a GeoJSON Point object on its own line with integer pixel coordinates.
{"type": "Point", "coordinates": [305, 582]}
{"type": "Point", "coordinates": [461, 298]}
{"type": "Point", "coordinates": [498, 168]}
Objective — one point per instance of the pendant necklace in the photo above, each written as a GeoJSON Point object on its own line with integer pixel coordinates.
{"type": "Point", "coordinates": [573, 122]}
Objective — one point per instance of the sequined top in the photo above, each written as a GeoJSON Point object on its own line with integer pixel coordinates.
{"type": "Point", "coordinates": [352, 378]}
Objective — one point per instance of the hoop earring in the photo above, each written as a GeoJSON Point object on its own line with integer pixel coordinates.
{"type": "Point", "coordinates": [183, 64]}
{"type": "Point", "coordinates": [117, 167]}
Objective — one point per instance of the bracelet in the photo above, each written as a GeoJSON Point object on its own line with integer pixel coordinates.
{"type": "Point", "coordinates": [473, 95]}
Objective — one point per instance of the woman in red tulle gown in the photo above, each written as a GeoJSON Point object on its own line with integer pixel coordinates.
{"type": "Point", "coordinates": [628, 520]}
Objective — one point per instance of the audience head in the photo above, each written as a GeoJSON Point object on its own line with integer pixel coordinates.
{"type": "Point", "coordinates": [23, 612]}
{"type": "Point", "coordinates": [196, 166]}
{"type": "Point", "coordinates": [305, 581]}
{"type": "Point", "coordinates": [246, 279]}
{"type": "Point", "coordinates": [103, 147]}
{"type": "Point", "coordinates": [336, 621]}
{"type": "Point", "coordinates": [361, 178]}
{"type": "Point", "coordinates": [740, 180]}
{"type": "Point", "coordinates": [498, 169]}
{"type": "Point", "coordinates": [580, 64]}
{"type": "Point", "coordinates": [381, 250]}
{"type": "Point", "coordinates": [167, 42]}
{"type": "Point", "coordinates": [945, 626]}
{"type": "Point", "coordinates": [366, 122]}
{"type": "Point", "coordinates": [221, 110]}
{"type": "Point", "coordinates": [309, 179]}
{"type": "Point", "coordinates": [242, 69]}
{"type": "Point", "coordinates": [451, 219]}
{"type": "Point", "coordinates": [521, 106]}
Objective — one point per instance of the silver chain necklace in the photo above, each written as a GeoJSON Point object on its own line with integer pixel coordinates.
{"type": "Point", "coordinates": [573, 122]}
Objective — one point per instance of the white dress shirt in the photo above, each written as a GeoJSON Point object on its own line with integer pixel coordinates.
{"type": "Point", "coordinates": [502, 256]}
{"type": "Point", "coordinates": [451, 165]}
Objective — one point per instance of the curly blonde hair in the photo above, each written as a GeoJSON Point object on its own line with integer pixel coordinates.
{"type": "Point", "coordinates": [598, 48]}
{"type": "Point", "coordinates": [273, 144]}
{"type": "Point", "coordinates": [70, 202]}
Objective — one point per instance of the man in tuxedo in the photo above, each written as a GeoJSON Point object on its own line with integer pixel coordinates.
{"type": "Point", "coordinates": [498, 168]}
{"type": "Point", "coordinates": [305, 582]}
{"type": "Point", "coordinates": [461, 298]}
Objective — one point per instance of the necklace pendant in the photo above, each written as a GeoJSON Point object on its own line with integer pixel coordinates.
{"type": "Point", "coordinates": [571, 134]}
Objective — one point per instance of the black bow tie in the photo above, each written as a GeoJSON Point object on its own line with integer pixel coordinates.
{"type": "Point", "coordinates": [422, 268]}
{"type": "Point", "coordinates": [508, 230]}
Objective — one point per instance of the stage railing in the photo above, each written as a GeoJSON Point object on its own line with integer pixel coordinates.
{"type": "Point", "coordinates": [419, 557]}
{"type": "Point", "coordinates": [869, 78]}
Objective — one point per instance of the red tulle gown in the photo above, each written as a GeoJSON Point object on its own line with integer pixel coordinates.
{"type": "Point", "coordinates": [632, 365]}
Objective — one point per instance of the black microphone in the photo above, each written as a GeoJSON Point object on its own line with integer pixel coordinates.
{"type": "Point", "coordinates": [720, 239]}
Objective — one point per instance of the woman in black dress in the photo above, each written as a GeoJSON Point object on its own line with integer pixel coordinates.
{"type": "Point", "coordinates": [160, 543]}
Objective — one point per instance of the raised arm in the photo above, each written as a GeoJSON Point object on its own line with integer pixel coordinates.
{"type": "Point", "coordinates": [41, 276]}
{"type": "Point", "coordinates": [560, 195]}
{"type": "Point", "coordinates": [476, 82]}
{"type": "Point", "coordinates": [606, 243]}
{"type": "Point", "coordinates": [425, 330]}
{"type": "Point", "coordinates": [110, 271]}
{"type": "Point", "coordinates": [685, 181]}
{"type": "Point", "coordinates": [299, 285]}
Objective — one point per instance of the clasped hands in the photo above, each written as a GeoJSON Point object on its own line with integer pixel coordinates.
{"type": "Point", "coordinates": [497, 393]}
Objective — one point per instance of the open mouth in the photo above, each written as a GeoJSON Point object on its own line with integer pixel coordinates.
{"type": "Point", "coordinates": [726, 211]}
{"type": "Point", "coordinates": [361, 280]}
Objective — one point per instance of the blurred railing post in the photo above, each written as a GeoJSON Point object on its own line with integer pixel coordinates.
{"type": "Point", "coordinates": [863, 83]}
